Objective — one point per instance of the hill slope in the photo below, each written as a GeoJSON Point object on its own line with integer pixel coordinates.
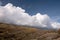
{"type": "Point", "coordinates": [13, 32]}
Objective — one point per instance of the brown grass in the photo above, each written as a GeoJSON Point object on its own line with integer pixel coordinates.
{"type": "Point", "coordinates": [13, 32]}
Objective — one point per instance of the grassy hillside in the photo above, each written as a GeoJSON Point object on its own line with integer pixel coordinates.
{"type": "Point", "coordinates": [13, 32]}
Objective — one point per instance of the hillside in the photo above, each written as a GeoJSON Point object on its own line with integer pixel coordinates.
{"type": "Point", "coordinates": [14, 32]}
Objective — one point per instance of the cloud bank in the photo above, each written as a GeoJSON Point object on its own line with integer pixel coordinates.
{"type": "Point", "coordinates": [16, 15]}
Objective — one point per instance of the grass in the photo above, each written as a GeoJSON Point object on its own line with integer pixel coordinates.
{"type": "Point", "coordinates": [14, 32]}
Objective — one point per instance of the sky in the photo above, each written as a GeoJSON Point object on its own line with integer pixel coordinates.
{"type": "Point", "coordinates": [43, 13]}
{"type": "Point", "coordinates": [50, 7]}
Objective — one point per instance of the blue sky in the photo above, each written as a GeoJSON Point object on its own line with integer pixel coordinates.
{"type": "Point", "coordinates": [50, 7]}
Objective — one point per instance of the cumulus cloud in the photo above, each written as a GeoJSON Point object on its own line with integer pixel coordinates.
{"type": "Point", "coordinates": [16, 15]}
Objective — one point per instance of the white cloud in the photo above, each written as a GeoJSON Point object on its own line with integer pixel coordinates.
{"type": "Point", "coordinates": [17, 15]}
{"type": "Point", "coordinates": [56, 25]}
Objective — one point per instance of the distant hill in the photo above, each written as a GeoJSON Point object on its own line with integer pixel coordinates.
{"type": "Point", "coordinates": [14, 32]}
